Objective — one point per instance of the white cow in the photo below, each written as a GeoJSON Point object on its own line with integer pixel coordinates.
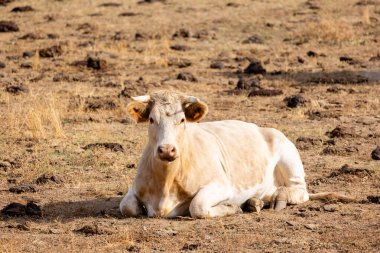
{"type": "Point", "coordinates": [208, 169]}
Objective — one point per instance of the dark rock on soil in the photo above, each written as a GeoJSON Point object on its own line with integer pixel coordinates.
{"type": "Point", "coordinates": [96, 63]}
{"type": "Point", "coordinates": [179, 62]}
{"type": "Point", "coordinates": [31, 36]}
{"type": "Point", "coordinates": [18, 209]}
{"type": "Point", "coordinates": [255, 67]}
{"type": "Point", "coordinates": [182, 33]}
{"type": "Point", "coordinates": [347, 170]}
{"type": "Point", "coordinates": [341, 132]}
{"type": "Point", "coordinates": [190, 246]}
{"type": "Point", "coordinates": [247, 84]}
{"type": "Point", "coordinates": [254, 39]}
{"type": "Point", "coordinates": [100, 103]}
{"type": "Point", "coordinates": [264, 92]}
{"type": "Point", "coordinates": [8, 26]}
{"type": "Point", "coordinates": [178, 47]}
{"type": "Point", "coordinates": [128, 14]}
{"type": "Point", "coordinates": [22, 9]}
{"type": "Point", "coordinates": [115, 147]}
{"type": "Point", "coordinates": [375, 155]}
{"type": "Point", "coordinates": [295, 101]}
{"type": "Point", "coordinates": [374, 199]}
{"type": "Point", "coordinates": [109, 5]}
{"type": "Point", "coordinates": [51, 51]}
{"type": "Point", "coordinates": [48, 177]}
{"type": "Point", "coordinates": [187, 76]}
{"type": "Point", "coordinates": [217, 65]}
{"type": "Point", "coordinates": [17, 89]}
{"type": "Point", "coordinates": [5, 2]}
{"type": "Point", "coordinates": [375, 58]}
{"type": "Point", "coordinates": [348, 59]}
{"type": "Point", "coordinates": [26, 65]}
{"type": "Point", "coordinates": [92, 229]}
{"type": "Point", "coordinates": [2, 65]}
{"type": "Point", "coordinates": [311, 54]}
{"type": "Point", "coordinates": [28, 54]}
{"type": "Point", "coordinates": [22, 188]}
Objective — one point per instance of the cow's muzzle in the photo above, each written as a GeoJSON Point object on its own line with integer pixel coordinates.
{"type": "Point", "coordinates": [167, 152]}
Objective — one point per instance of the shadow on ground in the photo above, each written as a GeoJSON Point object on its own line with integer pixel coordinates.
{"type": "Point", "coordinates": [101, 207]}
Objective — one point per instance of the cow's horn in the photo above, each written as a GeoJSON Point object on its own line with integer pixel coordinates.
{"type": "Point", "coordinates": [191, 99]}
{"type": "Point", "coordinates": [143, 99]}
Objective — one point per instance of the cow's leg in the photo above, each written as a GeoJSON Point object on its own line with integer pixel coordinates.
{"type": "Point", "coordinates": [290, 176]}
{"type": "Point", "coordinates": [130, 206]}
{"type": "Point", "coordinates": [212, 201]}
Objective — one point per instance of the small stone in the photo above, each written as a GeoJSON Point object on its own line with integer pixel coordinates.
{"type": "Point", "coordinates": [179, 62]}
{"type": "Point", "coordinates": [217, 65]}
{"type": "Point", "coordinates": [26, 65]}
{"type": "Point", "coordinates": [17, 89]}
{"type": "Point", "coordinates": [2, 65]}
{"type": "Point", "coordinates": [265, 92]}
{"type": "Point", "coordinates": [22, 9]}
{"type": "Point", "coordinates": [33, 209]}
{"type": "Point", "coordinates": [254, 39]}
{"type": "Point", "coordinates": [187, 76]}
{"type": "Point", "coordinates": [14, 209]}
{"type": "Point", "coordinates": [8, 26]}
{"type": "Point", "coordinates": [311, 226]}
{"type": "Point", "coordinates": [295, 101]}
{"type": "Point", "coordinates": [375, 154]}
{"type": "Point", "coordinates": [51, 51]}
{"type": "Point", "coordinates": [255, 67]}
{"type": "Point", "coordinates": [182, 33]}
{"type": "Point", "coordinates": [331, 208]}
{"type": "Point", "coordinates": [96, 63]}
{"type": "Point", "coordinates": [374, 199]}
{"type": "Point", "coordinates": [115, 147]}
{"type": "Point", "coordinates": [22, 188]}
{"type": "Point", "coordinates": [178, 47]}
{"type": "Point", "coordinates": [48, 177]}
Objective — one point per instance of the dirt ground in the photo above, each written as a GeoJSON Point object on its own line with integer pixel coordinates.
{"type": "Point", "coordinates": [68, 68]}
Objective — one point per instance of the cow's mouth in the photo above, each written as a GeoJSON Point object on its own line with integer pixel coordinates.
{"type": "Point", "coordinates": [168, 159]}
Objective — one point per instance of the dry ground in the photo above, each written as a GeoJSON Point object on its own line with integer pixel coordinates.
{"type": "Point", "coordinates": [52, 107]}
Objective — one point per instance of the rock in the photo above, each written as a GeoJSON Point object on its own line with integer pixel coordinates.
{"type": "Point", "coordinates": [341, 132]}
{"type": "Point", "coordinates": [247, 84]}
{"type": "Point", "coordinates": [22, 9]}
{"type": "Point", "coordinates": [295, 101]}
{"type": "Point", "coordinates": [22, 188]}
{"type": "Point", "coordinates": [2, 65]}
{"type": "Point", "coordinates": [31, 36]}
{"type": "Point", "coordinates": [18, 209]}
{"type": "Point", "coordinates": [60, 77]}
{"type": "Point", "coordinates": [51, 51]}
{"type": "Point", "coordinates": [178, 47]}
{"type": "Point", "coordinates": [109, 5]}
{"type": "Point", "coordinates": [347, 170]}
{"type": "Point", "coordinates": [182, 33]}
{"type": "Point", "coordinates": [348, 59]}
{"type": "Point", "coordinates": [5, 2]}
{"type": "Point", "coordinates": [99, 103]}
{"type": "Point", "coordinates": [331, 207]}
{"type": "Point", "coordinates": [179, 62]}
{"type": "Point", "coordinates": [255, 67]}
{"type": "Point", "coordinates": [305, 143]}
{"type": "Point", "coordinates": [25, 226]}
{"type": "Point", "coordinates": [17, 89]}
{"type": "Point", "coordinates": [14, 209]}
{"type": "Point", "coordinates": [374, 199]}
{"type": "Point", "coordinates": [5, 165]}
{"type": "Point", "coordinates": [190, 246]}
{"type": "Point", "coordinates": [311, 54]}
{"type": "Point", "coordinates": [300, 60]}
{"type": "Point", "coordinates": [265, 92]}
{"type": "Point", "coordinates": [311, 226]}
{"type": "Point", "coordinates": [142, 36]}
{"type": "Point", "coordinates": [33, 209]}
{"type": "Point", "coordinates": [28, 54]}
{"type": "Point", "coordinates": [8, 26]}
{"type": "Point", "coordinates": [254, 39]}
{"type": "Point", "coordinates": [49, 177]}
{"type": "Point", "coordinates": [217, 65]}
{"type": "Point", "coordinates": [96, 63]}
{"type": "Point", "coordinates": [26, 65]}
{"type": "Point", "coordinates": [115, 147]}
{"type": "Point", "coordinates": [92, 229]}
{"type": "Point", "coordinates": [375, 154]}
{"type": "Point", "coordinates": [131, 165]}
{"type": "Point", "coordinates": [128, 14]}
{"type": "Point", "coordinates": [187, 76]}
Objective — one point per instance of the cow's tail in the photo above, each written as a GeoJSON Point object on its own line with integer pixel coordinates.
{"type": "Point", "coordinates": [332, 196]}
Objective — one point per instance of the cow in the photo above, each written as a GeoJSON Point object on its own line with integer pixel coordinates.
{"type": "Point", "coordinates": [208, 169]}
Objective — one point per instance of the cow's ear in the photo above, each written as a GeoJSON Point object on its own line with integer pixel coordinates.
{"type": "Point", "coordinates": [138, 111]}
{"type": "Point", "coordinates": [196, 111]}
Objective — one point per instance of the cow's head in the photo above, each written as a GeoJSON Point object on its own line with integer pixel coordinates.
{"type": "Point", "coordinates": [167, 114]}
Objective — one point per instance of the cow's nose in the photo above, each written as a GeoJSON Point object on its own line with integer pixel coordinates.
{"type": "Point", "coordinates": [167, 152]}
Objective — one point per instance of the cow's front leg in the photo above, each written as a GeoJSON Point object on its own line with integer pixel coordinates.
{"type": "Point", "coordinates": [130, 206]}
{"type": "Point", "coordinates": [212, 201]}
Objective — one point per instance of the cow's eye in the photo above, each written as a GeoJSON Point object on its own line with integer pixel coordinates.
{"type": "Point", "coordinates": [182, 120]}
{"type": "Point", "coordinates": [151, 120]}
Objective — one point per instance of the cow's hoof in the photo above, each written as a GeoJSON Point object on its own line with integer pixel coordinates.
{"type": "Point", "coordinates": [279, 199]}
{"type": "Point", "coordinates": [253, 205]}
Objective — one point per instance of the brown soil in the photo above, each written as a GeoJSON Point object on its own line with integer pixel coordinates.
{"type": "Point", "coordinates": [94, 55]}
